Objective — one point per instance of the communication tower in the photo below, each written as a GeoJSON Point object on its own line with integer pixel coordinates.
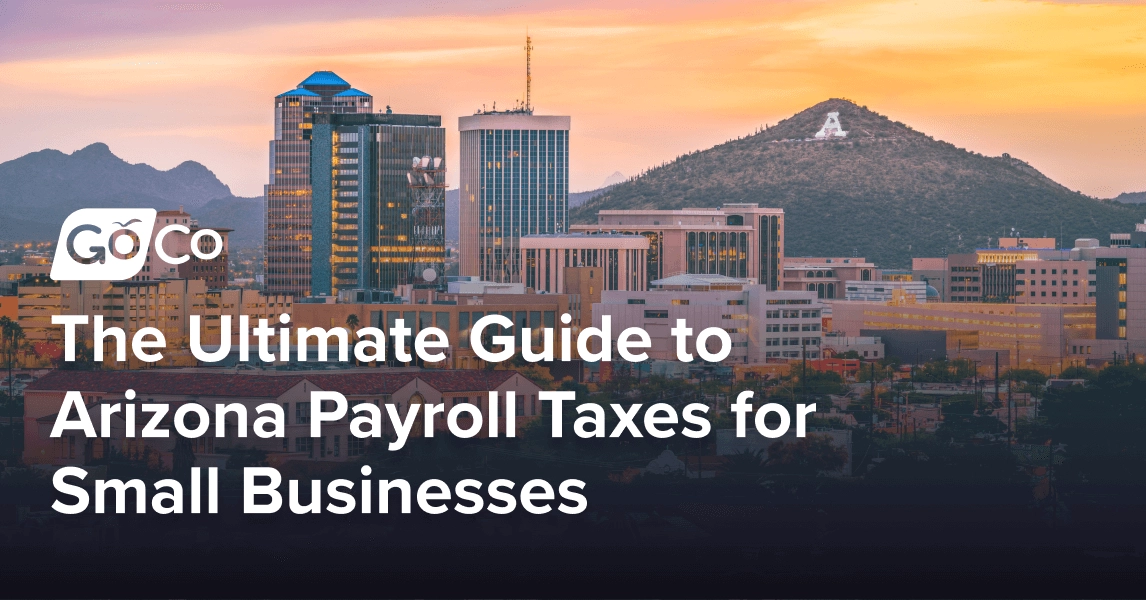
{"type": "Point", "coordinates": [427, 179]}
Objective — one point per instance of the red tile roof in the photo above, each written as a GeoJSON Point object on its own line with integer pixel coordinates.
{"type": "Point", "coordinates": [465, 381]}
{"type": "Point", "coordinates": [263, 386]}
{"type": "Point", "coordinates": [362, 384]}
{"type": "Point", "coordinates": [167, 382]}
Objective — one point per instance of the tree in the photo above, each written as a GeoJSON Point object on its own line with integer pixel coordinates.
{"type": "Point", "coordinates": [1078, 372]}
{"type": "Point", "coordinates": [12, 334]}
{"type": "Point", "coordinates": [1103, 425]}
{"type": "Point", "coordinates": [806, 456]}
{"type": "Point", "coordinates": [352, 325]}
{"type": "Point", "coordinates": [1027, 376]}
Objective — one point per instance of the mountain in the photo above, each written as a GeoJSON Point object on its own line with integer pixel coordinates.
{"type": "Point", "coordinates": [243, 215]}
{"type": "Point", "coordinates": [578, 198]}
{"type": "Point", "coordinates": [614, 179]}
{"type": "Point", "coordinates": [885, 191]}
{"type": "Point", "coordinates": [1130, 198]}
{"type": "Point", "coordinates": [38, 190]}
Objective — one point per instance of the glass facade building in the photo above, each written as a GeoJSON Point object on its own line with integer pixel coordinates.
{"type": "Point", "coordinates": [287, 227]}
{"type": "Point", "coordinates": [363, 239]}
{"type": "Point", "coordinates": [338, 197]}
{"type": "Point", "coordinates": [514, 182]}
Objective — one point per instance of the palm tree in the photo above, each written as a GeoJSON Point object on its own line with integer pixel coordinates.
{"type": "Point", "coordinates": [12, 334]}
{"type": "Point", "coordinates": [352, 325]}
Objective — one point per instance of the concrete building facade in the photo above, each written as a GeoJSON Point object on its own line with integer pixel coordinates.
{"type": "Point", "coordinates": [826, 275]}
{"type": "Point", "coordinates": [764, 326]}
{"type": "Point", "coordinates": [1037, 336]}
{"type": "Point", "coordinates": [739, 240]}
{"type": "Point", "coordinates": [514, 182]}
{"type": "Point", "coordinates": [404, 389]}
{"type": "Point", "coordinates": [620, 258]}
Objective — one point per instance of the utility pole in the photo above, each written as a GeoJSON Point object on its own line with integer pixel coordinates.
{"type": "Point", "coordinates": [996, 376]}
{"type": "Point", "coordinates": [804, 368]}
{"type": "Point", "coordinates": [872, 402]}
{"type": "Point", "coordinates": [1010, 403]}
{"type": "Point", "coordinates": [976, 381]}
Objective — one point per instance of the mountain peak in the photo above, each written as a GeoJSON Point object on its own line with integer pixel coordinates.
{"type": "Point", "coordinates": [43, 187]}
{"type": "Point", "coordinates": [884, 189]}
{"type": "Point", "coordinates": [96, 150]}
{"type": "Point", "coordinates": [858, 121]}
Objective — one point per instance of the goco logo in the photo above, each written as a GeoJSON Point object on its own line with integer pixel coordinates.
{"type": "Point", "coordinates": [111, 244]}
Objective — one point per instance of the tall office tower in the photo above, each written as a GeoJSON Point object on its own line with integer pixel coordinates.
{"type": "Point", "coordinates": [338, 196]}
{"type": "Point", "coordinates": [514, 182]}
{"type": "Point", "coordinates": [384, 225]}
{"type": "Point", "coordinates": [288, 195]}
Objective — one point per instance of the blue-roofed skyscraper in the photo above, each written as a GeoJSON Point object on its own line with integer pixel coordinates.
{"type": "Point", "coordinates": [288, 195]}
{"type": "Point", "coordinates": [338, 206]}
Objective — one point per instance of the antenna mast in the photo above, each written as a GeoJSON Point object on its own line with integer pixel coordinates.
{"type": "Point", "coordinates": [528, 77]}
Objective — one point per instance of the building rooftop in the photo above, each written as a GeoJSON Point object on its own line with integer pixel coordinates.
{"type": "Point", "coordinates": [323, 78]}
{"type": "Point", "coordinates": [581, 235]}
{"type": "Point", "coordinates": [352, 92]}
{"type": "Point", "coordinates": [701, 280]}
{"type": "Point", "coordinates": [298, 92]}
{"type": "Point", "coordinates": [171, 383]}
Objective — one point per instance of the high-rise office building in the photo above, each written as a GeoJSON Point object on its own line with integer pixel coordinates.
{"type": "Point", "coordinates": [514, 182]}
{"type": "Point", "coordinates": [339, 207]}
{"type": "Point", "coordinates": [378, 231]}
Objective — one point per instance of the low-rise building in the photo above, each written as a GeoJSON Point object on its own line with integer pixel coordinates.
{"type": "Point", "coordinates": [741, 240]}
{"type": "Point", "coordinates": [885, 290]}
{"type": "Point", "coordinates": [826, 275]}
{"type": "Point", "coordinates": [764, 326]}
{"type": "Point", "coordinates": [868, 347]}
{"type": "Point", "coordinates": [1037, 335]}
{"type": "Point", "coordinates": [621, 259]}
{"type": "Point", "coordinates": [44, 398]}
{"type": "Point", "coordinates": [132, 305]}
{"type": "Point", "coordinates": [453, 313]}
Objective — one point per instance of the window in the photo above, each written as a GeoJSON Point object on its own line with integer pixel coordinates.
{"type": "Point", "coordinates": [636, 300]}
{"type": "Point", "coordinates": [656, 314]}
{"type": "Point", "coordinates": [304, 444]}
{"type": "Point", "coordinates": [680, 302]}
{"type": "Point", "coordinates": [354, 446]}
{"type": "Point", "coordinates": [302, 413]}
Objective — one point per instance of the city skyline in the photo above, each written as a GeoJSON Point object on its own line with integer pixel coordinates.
{"type": "Point", "coordinates": [1067, 99]}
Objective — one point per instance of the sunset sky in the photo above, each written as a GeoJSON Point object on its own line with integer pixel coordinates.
{"type": "Point", "coordinates": [1059, 84]}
